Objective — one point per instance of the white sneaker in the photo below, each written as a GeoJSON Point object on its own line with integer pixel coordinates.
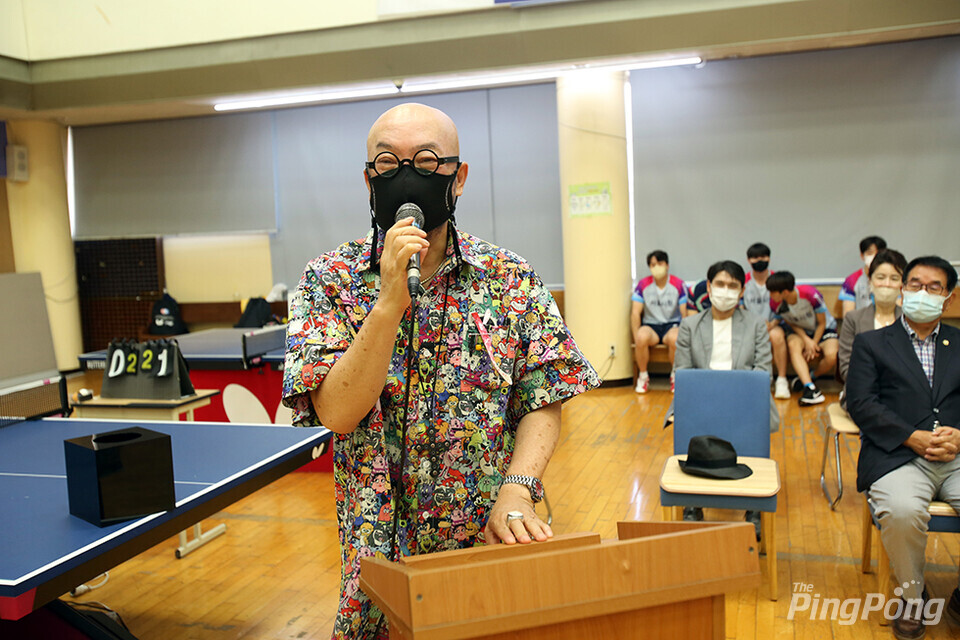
{"type": "Point", "coordinates": [781, 390]}
{"type": "Point", "coordinates": [643, 383]}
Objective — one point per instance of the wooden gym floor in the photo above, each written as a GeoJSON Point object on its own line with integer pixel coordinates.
{"type": "Point", "coordinates": [275, 574]}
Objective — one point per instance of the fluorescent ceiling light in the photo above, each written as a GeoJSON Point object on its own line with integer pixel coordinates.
{"type": "Point", "coordinates": [466, 82]}
{"type": "Point", "coordinates": [462, 81]}
{"type": "Point", "coordinates": [537, 74]}
{"type": "Point", "coordinates": [306, 98]}
{"type": "Point", "coordinates": [648, 64]}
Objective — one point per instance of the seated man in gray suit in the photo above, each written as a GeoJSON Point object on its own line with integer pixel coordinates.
{"type": "Point", "coordinates": [725, 336]}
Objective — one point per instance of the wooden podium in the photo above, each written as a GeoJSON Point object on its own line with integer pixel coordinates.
{"type": "Point", "coordinates": [658, 580]}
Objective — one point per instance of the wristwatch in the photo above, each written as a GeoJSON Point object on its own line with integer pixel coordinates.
{"type": "Point", "coordinates": [531, 483]}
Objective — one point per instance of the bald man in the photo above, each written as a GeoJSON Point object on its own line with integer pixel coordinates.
{"type": "Point", "coordinates": [446, 406]}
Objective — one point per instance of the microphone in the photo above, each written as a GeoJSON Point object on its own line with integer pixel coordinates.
{"type": "Point", "coordinates": [408, 210]}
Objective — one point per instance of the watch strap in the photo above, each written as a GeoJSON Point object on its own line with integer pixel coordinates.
{"type": "Point", "coordinates": [530, 482]}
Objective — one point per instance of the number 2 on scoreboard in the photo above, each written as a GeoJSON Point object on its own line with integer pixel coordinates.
{"type": "Point", "coordinates": [132, 362]}
{"type": "Point", "coordinates": [146, 360]}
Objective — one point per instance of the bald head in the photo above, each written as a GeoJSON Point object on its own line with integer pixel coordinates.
{"type": "Point", "coordinates": [407, 128]}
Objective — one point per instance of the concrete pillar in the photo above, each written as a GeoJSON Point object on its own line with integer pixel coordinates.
{"type": "Point", "coordinates": [40, 231]}
{"type": "Point", "coordinates": [596, 229]}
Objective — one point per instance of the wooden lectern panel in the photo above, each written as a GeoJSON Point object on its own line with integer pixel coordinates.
{"type": "Point", "coordinates": [632, 530]}
{"type": "Point", "coordinates": [664, 575]}
{"type": "Point", "coordinates": [687, 620]}
{"type": "Point", "coordinates": [702, 618]}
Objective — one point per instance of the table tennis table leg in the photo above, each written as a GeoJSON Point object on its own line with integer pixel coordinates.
{"type": "Point", "coordinates": [199, 538]}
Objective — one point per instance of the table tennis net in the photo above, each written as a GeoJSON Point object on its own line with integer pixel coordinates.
{"type": "Point", "coordinates": [257, 343]}
{"type": "Point", "coordinates": [35, 400]}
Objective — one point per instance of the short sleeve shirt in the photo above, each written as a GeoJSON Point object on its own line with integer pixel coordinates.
{"type": "Point", "coordinates": [697, 297]}
{"type": "Point", "coordinates": [804, 313]}
{"type": "Point", "coordinates": [756, 298]}
{"type": "Point", "coordinates": [660, 306]}
{"type": "Point", "coordinates": [856, 289]}
{"type": "Point", "coordinates": [490, 346]}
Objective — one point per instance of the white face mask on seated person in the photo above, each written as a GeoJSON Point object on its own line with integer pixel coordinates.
{"type": "Point", "coordinates": [885, 295]}
{"type": "Point", "coordinates": [921, 306]}
{"type": "Point", "coordinates": [723, 299]}
{"type": "Point", "coordinates": [885, 283]}
{"type": "Point", "coordinates": [659, 271]}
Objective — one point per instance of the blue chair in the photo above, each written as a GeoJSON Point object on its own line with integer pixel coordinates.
{"type": "Point", "coordinates": [735, 406]}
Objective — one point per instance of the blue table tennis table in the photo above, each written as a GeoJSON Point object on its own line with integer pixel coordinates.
{"type": "Point", "coordinates": [219, 349]}
{"type": "Point", "coordinates": [217, 358]}
{"type": "Point", "coordinates": [47, 551]}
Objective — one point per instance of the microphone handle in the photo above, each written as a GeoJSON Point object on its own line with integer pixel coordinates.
{"type": "Point", "coordinates": [413, 276]}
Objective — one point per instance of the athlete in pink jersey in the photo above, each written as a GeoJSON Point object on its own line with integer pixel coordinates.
{"type": "Point", "coordinates": [855, 292]}
{"type": "Point", "coordinates": [659, 303]}
{"type": "Point", "coordinates": [812, 331]}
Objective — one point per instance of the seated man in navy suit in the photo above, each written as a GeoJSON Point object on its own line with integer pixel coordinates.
{"type": "Point", "coordinates": [903, 391]}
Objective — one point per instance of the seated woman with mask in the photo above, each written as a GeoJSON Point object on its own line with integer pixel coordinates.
{"type": "Point", "coordinates": [885, 276]}
{"type": "Point", "coordinates": [725, 336]}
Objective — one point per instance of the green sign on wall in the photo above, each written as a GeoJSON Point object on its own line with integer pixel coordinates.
{"type": "Point", "coordinates": [590, 199]}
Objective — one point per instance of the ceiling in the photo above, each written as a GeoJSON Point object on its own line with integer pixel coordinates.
{"type": "Point", "coordinates": [187, 80]}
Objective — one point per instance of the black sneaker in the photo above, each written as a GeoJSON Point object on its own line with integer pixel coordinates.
{"type": "Point", "coordinates": [811, 396]}
{"type": "Point", "coordinates": [693, 513]}
{"type": "Point", "coordinates": [953, 607]}
{"type": "Point", "coordinates": [796, 384]}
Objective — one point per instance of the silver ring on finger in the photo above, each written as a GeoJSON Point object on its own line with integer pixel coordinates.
{"type": "Point", "coordinates": [514, 515]}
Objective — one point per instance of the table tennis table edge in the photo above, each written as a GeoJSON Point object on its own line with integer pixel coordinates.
{"type": "Point", "coordinates": [204, 505]}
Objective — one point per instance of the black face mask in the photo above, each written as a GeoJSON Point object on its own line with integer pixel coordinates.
{"type": "Point", "coordinates": [760, 265]}
{"type": "Point", "coordinates": [433, 194]}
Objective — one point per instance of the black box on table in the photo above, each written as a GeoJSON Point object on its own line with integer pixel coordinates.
{"type": "Point", "coordinates": [119, 475]}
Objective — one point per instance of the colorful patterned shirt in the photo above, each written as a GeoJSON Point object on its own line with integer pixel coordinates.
{"type": "Point", "coordinates": [490, 347]}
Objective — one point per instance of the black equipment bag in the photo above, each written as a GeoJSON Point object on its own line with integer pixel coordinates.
{"type": "Point", "coordinates": [166, 319]}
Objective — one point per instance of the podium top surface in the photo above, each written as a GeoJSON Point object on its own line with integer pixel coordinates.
{"type": "Point", "coordinates": [762, 483]}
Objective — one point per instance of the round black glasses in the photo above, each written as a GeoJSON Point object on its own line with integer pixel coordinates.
{"type": "Point", "coordinates": [425, 162]}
